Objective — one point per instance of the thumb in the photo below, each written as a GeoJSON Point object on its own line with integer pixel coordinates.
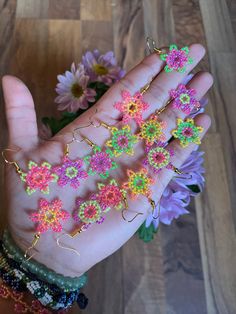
{"type": "Point", "coordinates": [20, 113]}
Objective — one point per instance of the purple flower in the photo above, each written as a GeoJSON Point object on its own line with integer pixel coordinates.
{"type": "Point", "coordinates": [193, 171]}
{"type": "Point", "coordinates": [70, 172]}
{"type": "Point", "coordinates": [172, 205]}
{"type": "Point", "coordinates": [72, 89]}
{"type": "Point", "coordinates": [102, 68]}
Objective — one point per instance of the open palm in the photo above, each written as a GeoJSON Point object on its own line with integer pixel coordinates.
{"type": "Point", "coordinates": [99, 241]}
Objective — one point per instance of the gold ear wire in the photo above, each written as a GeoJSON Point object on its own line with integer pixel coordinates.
{"type": "Point", "coordinates": [34, 242]}
{"type": "Point", "coordinates": [11, 162]}
{"type": "Point", "coordinates": [153, 204]}
{"type": "Point", "coordinates": [145, 88]}
{"type": "Point", "coordinates": [151, 44]}
{"type": "Point", "coordinates": [123, 216]}
{"type": "Point", "coordinates": [71, 235]}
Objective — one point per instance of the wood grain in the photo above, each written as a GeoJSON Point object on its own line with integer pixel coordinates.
{"type": "Point", "coordinates": [174, 274]}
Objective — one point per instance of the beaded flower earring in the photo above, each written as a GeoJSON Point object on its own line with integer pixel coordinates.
{"type": "Point", "coordinates": [47, 217]}
{"type": "Point", "coordinates": [89, 211]}
{"type": "Point", "coordinates": [70, 172]}
{"type": "Point", "coordinates": [37, 178]}
{"type": "Point", "coordinates": [132, 107]}
{"type": "Point", "coordinates": [151, 130]}
{"type": "Point", "coordinates": [184, 100]}
{"type": "Point", "coordinates": [176, 59]}
{"type": "Point", "coordinates": [100, 162]}
{"type": "Point", "coordinates": [121, 141]}
{"type": "Point", "coordinates": [111, 196]}
{"type": "Point", "coordinates": [158, 158]}
{"type": "Point", "coordinates": [187, 132]}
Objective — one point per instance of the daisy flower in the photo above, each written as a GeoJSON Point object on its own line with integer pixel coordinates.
{"type": "Point", "coordinates": [72, 89]}
{"type": "Point", "coordinates": [102, 68]}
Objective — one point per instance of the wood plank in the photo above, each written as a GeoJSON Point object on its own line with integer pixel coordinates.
{"type": "Point", "coordinates": [64, 9]}
{"type": "Point", "coordinates": [32, 8]}
{"type": "Point", "coordinates": [128, 29]}
{"type": "Point", "coordinates": [7, 20]}
{"type": "Point", "coordinates": [144, 289]}
{"type": "Point", "coordinates": [92, 10]}
{"type": "Point", "coordinates": [217, 232]}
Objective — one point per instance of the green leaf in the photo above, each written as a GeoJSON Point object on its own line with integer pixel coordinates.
{"type": "Point", "coordinates": [146, 234]}
{"type": "Point", "coordinates": [194, 188]}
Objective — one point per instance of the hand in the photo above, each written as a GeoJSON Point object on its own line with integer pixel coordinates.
{"type": "Point", "coordinates": [99, 241]}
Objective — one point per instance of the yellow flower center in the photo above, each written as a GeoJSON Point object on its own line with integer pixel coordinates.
{"type": "Point", "coordinates": [100, 69]}
{"type": "Point", "coordinates": [77, 90]}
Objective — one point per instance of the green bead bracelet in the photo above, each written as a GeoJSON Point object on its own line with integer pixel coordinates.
{"type": "Point", "coordinates": [42, 272]}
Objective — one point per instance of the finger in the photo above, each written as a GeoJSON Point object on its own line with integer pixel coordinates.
{"type": "Point", "coordinates": [181, 154]}
{"type": "Point", "coordinates": [201, 82]}
{"type": "Point", "coordinates": [20, 113]}
{"type": "Point", "coordinates": [158, 92]}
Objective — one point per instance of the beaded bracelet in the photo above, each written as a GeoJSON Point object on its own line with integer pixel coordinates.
{"type": "Point", "coordinates": [48, 294]}
{"type": "Point", "coordinates": [42, 272]}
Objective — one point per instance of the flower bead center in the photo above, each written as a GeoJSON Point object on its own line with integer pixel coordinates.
{"type": "Point", "coordinates": [159, 157]}
{"type": "Point", "coordinates": [132, 107]}
{"type": "Point", "coordinates": [90, 211]}
{"type": "Point", "coordinates": [50, 216]}
{"type": "Point", "coordinates": [100, 69]}
{"type": "Point", "coordinates": [122, 141]}
{"type": "Point", "coordinates": [188, 132]}
{"type": "Point", "coordinates": [71, 172]}
{"type": "Point", "coordinates": [77, 90]}
{"type": "Point", "coordinates": [185, 99]}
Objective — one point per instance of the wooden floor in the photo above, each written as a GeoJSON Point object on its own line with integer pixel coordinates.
{"type": "Point", "coordinates": [190, 268]}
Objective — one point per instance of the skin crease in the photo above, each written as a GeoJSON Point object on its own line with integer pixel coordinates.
{"type": "Point", "coordinates": [99, 241]}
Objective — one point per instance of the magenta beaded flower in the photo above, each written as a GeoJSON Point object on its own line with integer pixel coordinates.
{"type": "Point", "coordinates": [70, 172]}
{"type": "Point", "coordinates": [111, 195]}
{"type": "Point", "coordinates": [183, 99]}
{"type": "Point", "coordinates": [158, 157]}
{"type": "Point", "coordinates": [88, 212]}
{"type": "Point", "coordinates": [49, 216]}
{"type": "Point", "coordinates": [38, 177]}
{"type": "Point", "coordinates": [132, 107]}
{"type": "Point", "coordinates": [176, 59]}
{"type": "Point", "coordinates": [100, 162]}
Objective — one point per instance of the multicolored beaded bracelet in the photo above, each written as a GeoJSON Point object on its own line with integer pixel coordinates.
{"type": "Point", "coordinates": [66, 283]}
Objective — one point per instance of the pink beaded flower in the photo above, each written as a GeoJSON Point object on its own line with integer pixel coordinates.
{"type": "Point", "coordinates": [158, 157]}
{"type": "Point", "coordinates": [70, 172]}
{"type": "Point", "coordinates": [176, 59]}
{"type": "Point", "coordinates": [49, 216]}
{"type": "Point", "coordinates": [111, 195]}
{"type": "Point", "coordinates": [100, 162]}
{"type": "Point", "coordinates": [183, 99]}
{"type": "Point", "coordinates": [138, 183]}
{"type": "Point", "coordinates": [88, 212]}
{"type": "Point", "coordinates": [38, 177]}
{"type": "Point", "coordinates": [132, 107]}
{"type": "Point", "coordinates": [152, 130]}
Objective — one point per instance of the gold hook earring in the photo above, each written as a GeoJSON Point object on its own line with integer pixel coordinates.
{"type": "Point", "coordinates": [70, 235]}
{"type": "Point", "coordinates": [11, 162]}
{"type": "Point", "coordinates": [123, 216]}
{"type": "Point", "coordinates": [33, 244]}
{"type": "Point", "coordinates": [151, 44]}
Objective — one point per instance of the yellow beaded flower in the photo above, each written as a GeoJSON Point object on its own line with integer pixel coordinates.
{"type": "Point", "coordinates": [152, 130]}
{"type": "Point", "coordinates": [138, 183]}
{"type": "Point", "coordinates": [187, 132]}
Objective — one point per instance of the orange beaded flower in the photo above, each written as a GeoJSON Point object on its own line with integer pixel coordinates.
{"type": "Point", "coordinates": [152, 130]}
{"type": "Point", "coordinates": [138, 183]}
{"type": "Point", "coordinates": [49, 216]}
{"type": "Point", "coordinates": [132, 107]}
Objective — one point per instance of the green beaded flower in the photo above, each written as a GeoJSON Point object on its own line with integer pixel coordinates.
{"type": "Point", "coordinates": [122, 141]}
{"type": "Point", "coordinates": [187, 132]}
{"type": "Point", "coordinates": [100, 162]}
{"type": "Point", "coordinates": [176, 59]}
